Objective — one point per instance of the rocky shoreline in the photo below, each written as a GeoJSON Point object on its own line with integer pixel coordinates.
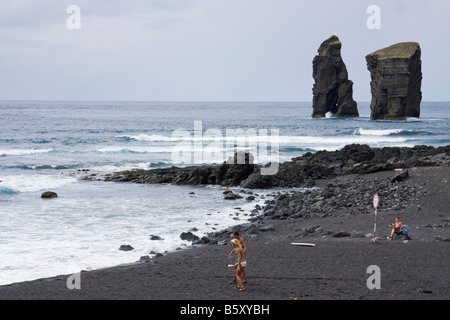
{"type": "Point", "coordinates": [342, 197]}
{"type": "Point", "coordinates": [338, 184]}
{"type": "Point", "coordinates": [302, 171]}
{"type": "Point", "coordinates": [336, 216]}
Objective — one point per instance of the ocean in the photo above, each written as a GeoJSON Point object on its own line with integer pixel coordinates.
{"type": "Point", "coordinates": [50, 146]}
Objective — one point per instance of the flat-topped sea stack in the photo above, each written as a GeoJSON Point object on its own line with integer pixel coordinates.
{"type": "Point", "coordinates": [332, 91]}
{"type": "Point", "coordinates": [396, 73]}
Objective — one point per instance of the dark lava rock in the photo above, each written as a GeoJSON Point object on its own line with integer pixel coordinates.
{"type": "Point", "coordinates": [189, 236]}
{"type": "Point", "coordinates": [396, 73]}
{"type": "Point", "coordinates": [341, 234]}
{"type": "Point", "coordinates": [402, 176]}
{"type": "Point", "coordinates": [332, 91]}
{"type": "Point", "coordinates": [126, 247]}
{"type": "Point", "coordinates": [49, 195]}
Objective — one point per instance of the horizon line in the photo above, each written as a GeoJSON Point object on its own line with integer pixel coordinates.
{"type": "Point", "coordinates": [232, 101]}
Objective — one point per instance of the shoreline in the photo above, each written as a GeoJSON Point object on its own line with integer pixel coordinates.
{"type": "Point", "coordinates": [302, 171]}
{"type": "Point", "coordinates": [335, 269]}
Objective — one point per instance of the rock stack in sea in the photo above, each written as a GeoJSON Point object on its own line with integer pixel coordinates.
{"type": "Point", "coordinates": [333, 91]}
{"type": "Point", "coordinates": [396, 73]}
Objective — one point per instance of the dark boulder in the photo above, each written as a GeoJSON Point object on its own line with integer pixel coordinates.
{"type": "Point", "coordinates": [126, 247]}
{"type": "Point", "coordinates": [236, 169]}
{"type": "Point", "coordinates": [402, 176]}
{"type": "Point", "coordinates": [145, 259]}
{"type": "Point", "coordinates": [341, 234]}
{"type": "Point", "coordinates": [188, 236]}
{"type": "Point", "coordinates": [230, 196]}
{"type": "Point", "coordinates": [49, 195]}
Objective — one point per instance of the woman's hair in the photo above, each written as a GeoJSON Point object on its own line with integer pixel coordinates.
{"type": "Point", "coordinates": [235, 242]}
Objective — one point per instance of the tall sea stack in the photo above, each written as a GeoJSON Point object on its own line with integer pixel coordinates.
{"type": "Point", "coordinates": [332, 91]}
{"type": "Point", "coordinates": [396, 74]}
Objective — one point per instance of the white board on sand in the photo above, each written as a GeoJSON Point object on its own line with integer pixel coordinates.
{"type": "Point", "coordinates": [303, 244]}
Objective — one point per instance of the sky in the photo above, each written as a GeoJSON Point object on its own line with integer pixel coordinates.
{"type": "Point", "coordinates": [206, 50]}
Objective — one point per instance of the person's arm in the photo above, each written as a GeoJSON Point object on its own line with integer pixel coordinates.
{"type": "Point", "coordinates": [229, 256]}
{"type": "Point", "coordinates": [244, 246]}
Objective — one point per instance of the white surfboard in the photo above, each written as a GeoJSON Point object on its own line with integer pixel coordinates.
{"type": "Point", "coordinates": [303, 244]}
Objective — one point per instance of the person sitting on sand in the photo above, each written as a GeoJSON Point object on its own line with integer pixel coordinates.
{"type": "Point", "coordinates": [241, 263]}
{"type": "Point", "coordinates": [396, 228]}
{"type": "Point", "coordinates": [244, 247]}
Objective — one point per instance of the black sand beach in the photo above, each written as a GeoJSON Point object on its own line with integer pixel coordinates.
{"type": "Point", "coordinates": [335, 269]}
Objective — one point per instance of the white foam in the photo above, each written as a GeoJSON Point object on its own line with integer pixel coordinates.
{"type": "Point", "coordinates": [254, 139]}
{"type": "Point", "coordinates": [128, 166]}
{"type": "Point", "coordinates": [378, 133]}
{"type": "Point", "coordinates": [230, 135]}
{"type": "Point", "coordinates": [149, 138]}
{"type": "Point", "coordinates": [21, 152]}
{"type": "Point", "coordinates": [250, 143]}
{"type": "Point", "coordinates": [76, 233]}
{"type": "Point", "coordinates": [35, 182]}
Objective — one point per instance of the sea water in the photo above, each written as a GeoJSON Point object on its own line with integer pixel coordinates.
{"type": "Point", "coordinates": [52, 145]}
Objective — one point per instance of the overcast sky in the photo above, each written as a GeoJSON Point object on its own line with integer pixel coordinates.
{"type": "Point", "coordinates": [206, 50]}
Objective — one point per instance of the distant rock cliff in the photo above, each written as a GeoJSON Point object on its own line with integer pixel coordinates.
{"type": "Point", "coordinates": [396, 74]}
{"type": "Point", "coordinates": [332, 91]}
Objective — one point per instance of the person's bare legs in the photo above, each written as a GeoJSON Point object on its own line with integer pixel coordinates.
{"type": "Point", "coordinates": [238, 278]}
{"type": "Point", "coordinates": [244, 275]}
{"type": "Point", "coordinates": [235, 270]}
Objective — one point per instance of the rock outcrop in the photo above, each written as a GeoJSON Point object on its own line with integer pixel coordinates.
{"type": "Point", "coordinates": [396, 73]}
{"type": "Point", "coordinates": [230, 173]}
{"type": "Point", "coordinates": [299, 172]}
{"type": "Point", "coordinates": [332, 91]}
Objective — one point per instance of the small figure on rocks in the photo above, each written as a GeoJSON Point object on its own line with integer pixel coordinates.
{"type": "Point", "coordinates": [227, 190]}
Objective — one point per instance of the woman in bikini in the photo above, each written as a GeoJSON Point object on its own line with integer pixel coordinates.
{"type": "Point", "coordinates": [241, 263]}
{"type": "Point", "coordinates": [244, 247]}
